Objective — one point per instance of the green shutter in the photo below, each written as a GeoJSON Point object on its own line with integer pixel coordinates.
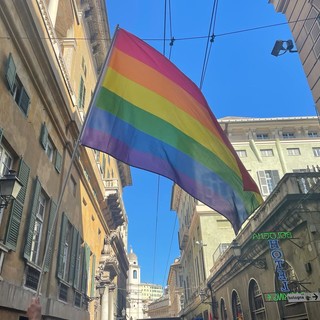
{"type": "Point", "coordinates": [11, 72]}
{"type": "Point", "coordinates": [32, 219]}
{"type": "Point", "coordinates": [13, 228]}
{"type": "Point", "coordinates": [76, 282]}
{"type": "Point", "coordinates": [24, 101]}
{"type": "Point", "coordinates": [80, 99]}
{"type": "Point", "coordinates": [85, 269]}
{"type": "Point", "coordinates": [44, 136]}
{"type": "Point", "coordinates": [63, 230]}
{"type": "Point", "coordinates": [73, 255]}
{"type": "Point", "coordinates": [58, 161]}
{"type": "Point", "coordinates": [50, 238]}
{"type": "Point", "coordinates": [93, 276]}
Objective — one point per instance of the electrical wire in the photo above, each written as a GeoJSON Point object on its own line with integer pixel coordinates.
{"type": "Point", "coordinates": [170, 247]}
{"type": "Point", "coordinates": [209, 42]}
{"type": "Point", "coordinates": [7, 37]}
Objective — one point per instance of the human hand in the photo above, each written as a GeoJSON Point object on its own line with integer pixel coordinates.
{"type": "Point", "coordinates": [34, 309]}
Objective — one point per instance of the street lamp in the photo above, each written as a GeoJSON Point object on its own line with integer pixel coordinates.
{"type": "Point", "coordinates": [10, 186]}
{"type": "Point", "coordinates": [281, 47]}
{"type": "Point", "coordinates": [259, 263]}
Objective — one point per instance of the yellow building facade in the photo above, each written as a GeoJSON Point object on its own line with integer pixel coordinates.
{"type": "Point", "coordinates": [52, 53]}
{"type": "Point", "coordinates": [269, 148]}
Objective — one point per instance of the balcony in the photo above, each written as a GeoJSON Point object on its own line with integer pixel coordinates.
{"type": "Point", "coordinates": [183, 238]}
{"type": "Point", "coordinates": [113, 205]}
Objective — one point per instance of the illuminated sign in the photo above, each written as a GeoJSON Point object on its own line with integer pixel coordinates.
{"type": "Point", "coordinates": [277, 256]}
{"type": "Point", "coordinates": [272, 235]}
{"type": "Point", "coordinates": [281, 296]}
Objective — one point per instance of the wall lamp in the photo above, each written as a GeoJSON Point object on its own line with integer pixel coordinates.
{"type": "Point", "coordinates": [259, 263]}
{"type": "Point", "coordinates": [281, 47]}
{"type": "Point", "coordinates": [10, 186]}
{"type": "Point", "coordinates": [101, 289]}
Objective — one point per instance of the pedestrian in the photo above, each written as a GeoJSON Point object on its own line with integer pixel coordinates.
{"type": "Point", "coordinates": [34, 309]}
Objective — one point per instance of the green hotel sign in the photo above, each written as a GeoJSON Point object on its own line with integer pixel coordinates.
{"type": "Point", "coordinates": [272, 235]}
{"type": "Point", "coordinates": [278, 296]}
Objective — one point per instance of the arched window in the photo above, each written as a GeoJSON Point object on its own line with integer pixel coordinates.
{"type": "Point", "coordinates": [236, 306]}
{"type": "Point", "coordinates": [287, 309]}
{"type": "Point", "coordinates": [135, 274]}
{"type": "Point", "coordinates": [223, 310]}
{"type": "Point", "coordinates": [257, 307]}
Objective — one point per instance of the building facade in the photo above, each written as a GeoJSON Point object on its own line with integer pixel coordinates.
{"type": "Point", "coordinates": [304, 23]}
{"type": "Point", "coordinates": [51, 56]}
{"type": "Point", "coordinates": [269, 148]}
{"type": "Point", "coordinates": [140, 294]}
{"type": "Point", "coordinates": [275, 256]}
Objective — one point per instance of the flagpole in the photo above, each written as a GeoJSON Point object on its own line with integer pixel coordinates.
{"type": "Point", "coordinates": [76, 147]}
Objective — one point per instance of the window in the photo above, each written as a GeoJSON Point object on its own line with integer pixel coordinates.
{"type": "Point", "coordinates": [37, 229]}
{"type": "Point", "coordinates": [32, 278]}
{"type": "Point", "coordinates": [293, 151]}
{"type": "Point", "coordinates": [73, 186]}
{"type": "Point", "coordinates": [262, 136]}
{"type": "Point", "coordinates": [63, 292]}
{"type": "Point", "coordinates": [135, 274]}
{"type": "Point", "coordinates": [223, 310]}
{"type": "Point", "coordinates": [316, 152]}
{"type": "Point", "coordinates": [288, 135]}
{"type": "Point", "coordinates": [16, 87]}
{"type": "Point", "coordinates": [289, 310]}
{"type": "Point", "coordinates": [82, 94]}
{"type": "Point", "coordinates": [241, 153]}
{"type": "Point", "coordinates": [236, 306]}
{"type": "Point", "coordinates": [5, 165]}
{"type": "Point", "coordinates": [313, 134]}
{"type": "Point", "coordinates": [66, 251]}
{"type": "Point", "coordinates": [266, 152]}
{"type": "Point", "coordinates": [5, 161]}
{"type": "Point", "coordinates": [268, 180]}
{"type": "Point", "coordinates": [49, 148]}
{"type": "Point", "coordinates": [256, 303]}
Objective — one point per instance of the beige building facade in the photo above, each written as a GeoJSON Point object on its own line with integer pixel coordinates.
{"type": "Point", "coordinates": [140, 294]}
{"type": "Point", "coordinates": [51, 56]}
{"type": "Point", "coordinates": [274, 258]}
{"type": "Point", "coordinates": [304, 23]}
{"type": "Point", "coordinates": [269, 148]}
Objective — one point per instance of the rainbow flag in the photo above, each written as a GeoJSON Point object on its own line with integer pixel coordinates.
{"type": "Point", "coordinates": [148, 114]}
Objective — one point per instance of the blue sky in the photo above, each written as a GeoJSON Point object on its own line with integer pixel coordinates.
{"type": "Point", "coordinates": [242, 79]}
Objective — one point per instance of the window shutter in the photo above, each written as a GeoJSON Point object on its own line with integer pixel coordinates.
{"type": "Point", "coordinates": [50, 238]}
{"type": "Point", "coordinates": [17, 207]}
{"type": "Point", "coordinates": [93, 276]}
{"type": "Point", "coordinates": [24, 101]}
{"type": "Point", "coordinates": [76, 282]}
{"type": "Point", "coordinates": [80, 104]}
{"type": "Point", "coordinates": [11, 72]}
{"type": "Point", "coordinates": [275, 178]}
{"type": "Point", "coordinates": [32, 219]}
{"type": "Point", "coordinates": [44, 136]}
{"type": "Point", "coordinates": [73, 257]}
{"type": "Point", "coordinates": [85, 269]}
{"type": "Point", "coordinates": [63, 230]}
{"type": "Point", "coordinates": [58, 161]}
{"type": "Point", "coordinates": [103, 163]}
{"type": "Point", "coordinates": [263, 183]}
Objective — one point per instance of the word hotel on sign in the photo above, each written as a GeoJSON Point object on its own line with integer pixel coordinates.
{"type": "Point", "coordinates": [272, 235]}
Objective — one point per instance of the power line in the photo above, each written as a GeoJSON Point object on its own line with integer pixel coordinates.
{"type": "Point", "coordinates": [209, 43]}
{"type": "Point", "coordinates": [176, 39]}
